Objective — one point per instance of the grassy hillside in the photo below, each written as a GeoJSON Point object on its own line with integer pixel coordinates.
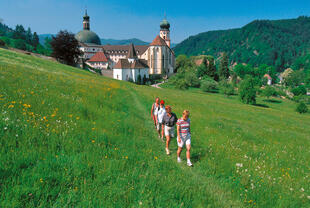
{"type": "Point", "coordinates": [70, 138]}
{"type": "Point", "coordinates": [272, 42]}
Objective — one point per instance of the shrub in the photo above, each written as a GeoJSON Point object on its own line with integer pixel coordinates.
{"type": "Point", "coordinates": [302, 108]}
{"type": "Point", "coordinates": [209, 85]}
{"type": "Point", "coordinates": [270, 91]}
{"type": "Point", "coordinates": [139, 79]}
{"type": "Point", "coordinates": [301, 99]}
{"type": "Point", "coordinates": [247, 91]}
{"type": "Point", "coordinates": [226, 88]}
{"type": "Point", "coordinates": [300, 90]}
{"type": "Point", "coordinates": [2, 43]}
{"type": "Point", "coordinates": [192, 80]}
{"type": "Point", "coordinates": [144, 80]}
{"type": "Point", "coordinates": [20, 44]}
{"type": "Point", "coordinates": [181, 84]}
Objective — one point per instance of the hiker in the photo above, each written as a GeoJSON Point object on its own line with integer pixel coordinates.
{"type": "Point", "coordinates": [154, 107]}
{"type": "Point", "coordinates": [159, 115]}
{"type": "Point", "coordinates": [169, 122]}
{"type": "Point", "coordinates": [184, 136]}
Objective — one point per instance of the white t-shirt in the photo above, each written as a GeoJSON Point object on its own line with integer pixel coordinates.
{"type": "Point", "coordinates": [160, 114]}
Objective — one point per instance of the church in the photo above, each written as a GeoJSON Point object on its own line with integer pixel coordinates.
{"type": "Point", "coordinates": [157, 57]}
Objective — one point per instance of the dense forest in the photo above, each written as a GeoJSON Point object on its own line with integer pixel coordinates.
{"type": "Point", "coordinates": [22, 39]}
{"type": "Point", "coordinates": [273, 42]}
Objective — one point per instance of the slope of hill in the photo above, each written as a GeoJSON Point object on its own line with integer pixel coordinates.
{"type": "Point", "coordinates": [277, 42]}
{"type": "Point", "coordinates": [72, 138]}
{"type": "Point", "coordinates": [104, 41]}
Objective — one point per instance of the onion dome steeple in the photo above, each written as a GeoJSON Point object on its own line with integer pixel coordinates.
{"type": "Point", "coordinates": [164, 24]}
{"type": "Point", "coordinates": [86, 35]}
{"type": "Point", "coordinates": [86, 25]}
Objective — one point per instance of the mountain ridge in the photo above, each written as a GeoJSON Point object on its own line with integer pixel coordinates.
{"type": "Point", "coordinates": [272, 42]}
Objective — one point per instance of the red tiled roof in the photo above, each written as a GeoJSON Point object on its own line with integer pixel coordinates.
{"type": "Point", "coordinates": [158, 41]}
{"type": "Point", "coordinates": [98, 57]}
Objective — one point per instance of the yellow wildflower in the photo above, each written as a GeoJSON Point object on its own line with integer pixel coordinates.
{"type": "Point", "coordinates": [11, 106]}
{"type": "Point", "coordinates": [93, 141]}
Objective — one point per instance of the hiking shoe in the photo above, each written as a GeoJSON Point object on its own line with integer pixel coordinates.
{"type": "Point", "coordinates": [167, 151]}
{"type": "Point", "coordinates": [179, 160]}
{"type": "Point", "coordinates": [189, 164]}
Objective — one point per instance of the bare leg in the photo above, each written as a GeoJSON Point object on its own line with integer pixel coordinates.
{"type": "Point", "coordinates": [188, 149]}
{"type": "Point", "coordinates": [168, 141]}
{"type": "Point", "coordinates": [179, 151]}
{"type": "Point", "coordinates": [162, 130]}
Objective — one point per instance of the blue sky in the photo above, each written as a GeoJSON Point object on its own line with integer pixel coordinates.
{"type": "Point", "coordinates": [140, 18]}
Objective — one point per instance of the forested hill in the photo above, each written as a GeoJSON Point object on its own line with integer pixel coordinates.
{"type": "Point", "coordinates": [272, 42]}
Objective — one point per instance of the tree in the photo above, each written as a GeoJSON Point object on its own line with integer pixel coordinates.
{"type": "Point", "coordinates": [211, 68]}
{"type": "Point", "coordinates": [35, 40]}
{"type": "Point", "coordinates": [65, 48]}
{"type": "Point", "coordinates": [247, 90]}
{"type": "Point", "coordinates": [139, 80]}
{"type": "Point", "coordinates": [302, 108]}
{"type": "Point", "coordinates": [242, 70]}
{"type": "Point", "coordinates": [29, 36]}
{"type": "Point", "coordinates": [224, 70]}
{"type": "Point", "coordinates": [19, 32]}
{"type": "Point", "coordinates": [202, 69]}
{"type": "Point", "coordinates": [294, 79]}
{"type": "Point", "coordinates": [300, 90]}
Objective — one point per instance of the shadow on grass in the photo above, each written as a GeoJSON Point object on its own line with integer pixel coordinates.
{"type": "Point", "coordinates": [261, 105]}
{"type": "Point", "coordinates": [272, 101]}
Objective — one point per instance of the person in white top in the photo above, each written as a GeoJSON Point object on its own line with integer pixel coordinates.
{"type": "Point", "coordinates": [159, 115]}
{"type": "Point", "coordinates": [154, 107]}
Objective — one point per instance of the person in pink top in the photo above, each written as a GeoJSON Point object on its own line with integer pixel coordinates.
{"type": "Point", "coordinates": [184, 136]}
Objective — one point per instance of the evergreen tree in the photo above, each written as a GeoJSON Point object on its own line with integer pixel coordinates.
{"type": "Point", "coordinates": [224, 70]}
{"type": "Point", "coordinates": [211, 68]}
{"type": "Point", "coordinates": [29, 36]}
{"type": "Point", "coordinates": [19, 32]}
{"type": "Point", "coordinates": [35, 40]}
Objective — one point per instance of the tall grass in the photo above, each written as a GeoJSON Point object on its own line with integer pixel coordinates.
{"type": "Point", "coordinates": [74, 139]}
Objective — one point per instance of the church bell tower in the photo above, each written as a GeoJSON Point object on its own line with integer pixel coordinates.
{"type": "Point", "coordinates": [165, 31]}
{"type": "Point", "coordinates": [86, 25]}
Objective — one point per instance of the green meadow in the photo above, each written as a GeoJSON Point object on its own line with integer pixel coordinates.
{"type": "Point", "coordinates": [70, 138]}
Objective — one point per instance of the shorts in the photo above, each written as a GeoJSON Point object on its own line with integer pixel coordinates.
{"type": "Point", "coordinates": [158, 126]}
{"type": "Point", "coordinates": [169, 131]}
{"type": "Point", "coordinates": [184, 140]}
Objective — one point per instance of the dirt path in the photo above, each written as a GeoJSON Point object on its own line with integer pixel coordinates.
{"type": "Point", "coordinates": [157, 85]}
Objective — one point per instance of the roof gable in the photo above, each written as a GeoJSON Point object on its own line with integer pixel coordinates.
{"type": "Point", "coordinates": [98, 57]}
{"type": "Point", "coordinates": [136, 64]}
{"type": "Point", "coordinates": [158, 41]}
